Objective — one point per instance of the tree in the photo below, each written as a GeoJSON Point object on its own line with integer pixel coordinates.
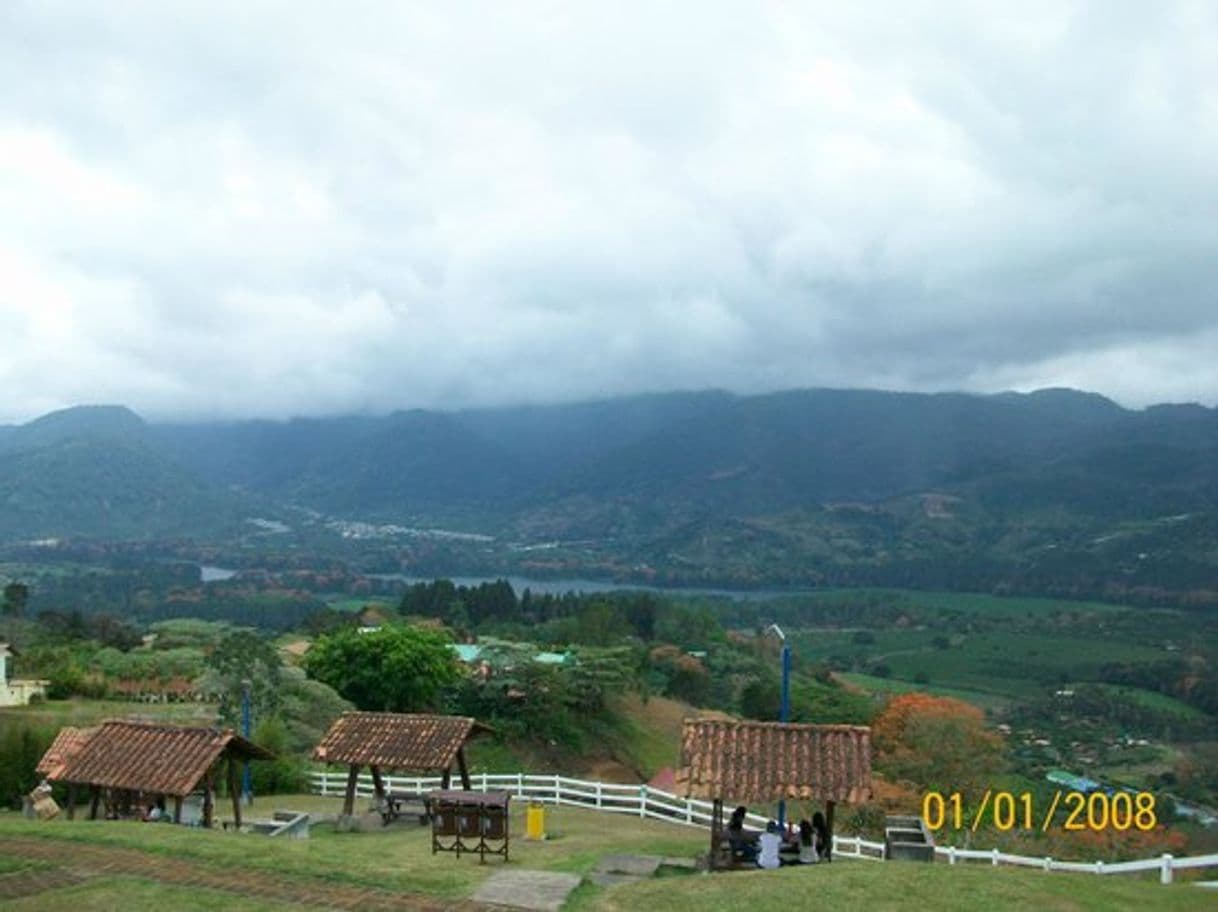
{"type": "Point", "coordinates": [937, 743]}
{"type": "Point", "coordinates": [242, 656]}
{"type": "Point", "coordinates": [16, 595]}
{"type": "Point", "coordinates": [394, 669]}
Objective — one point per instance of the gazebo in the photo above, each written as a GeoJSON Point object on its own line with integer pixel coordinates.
{"type": "Point", "coordinates": [386, 742]}
{"type": "Point", "coordinates": [166, 761]}
{"type": "Point", "coordinates": [763, 762]}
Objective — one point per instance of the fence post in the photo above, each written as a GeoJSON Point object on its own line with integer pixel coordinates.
{"type": "Point", "coordinates": [951, 855]}
{"type": "Point", "coordinates": [689, 812]}
{"type": "Point", "coordinates": [1165, 869]}
{"type": "Point", "coordinates": [598, 793]}
{"type": "Point", "coordinates": [520, 785]}
{"type": "Point", "coordinates": [994, 857]}
{"type": "Point", "coordinates": [1048, 863]}
{"type": "Point", "coordinates": [1099, 867]}
{"type": "Point", "coordinates": [557, 789]}
{"type": "Point", "coordinates": [642, 801]}
{"type": "Point", "coordinates": [484, 781]}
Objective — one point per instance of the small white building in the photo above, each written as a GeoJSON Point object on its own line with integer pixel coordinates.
{"type": "Point", "coordinates": [17, 692]}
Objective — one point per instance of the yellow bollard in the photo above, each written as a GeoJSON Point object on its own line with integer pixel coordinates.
{"type": "Point", "coordinates": [535, 821]}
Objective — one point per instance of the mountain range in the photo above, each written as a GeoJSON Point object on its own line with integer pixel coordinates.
{"type": "Point", "coordinates": [654, 479]}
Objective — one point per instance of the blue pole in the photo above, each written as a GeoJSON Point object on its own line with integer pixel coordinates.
{"type": "Point", "coordinates": [246, 784]}
{"type": "Point", "coordinates": [784, 714]}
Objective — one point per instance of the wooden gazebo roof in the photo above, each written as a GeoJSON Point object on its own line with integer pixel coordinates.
{"type": "Point", "coordinates": [144, 757]}
{"type": "Point", "coordinates": [770, 761]}
{"type": "Point", "coordinates": [67, 744]}
{"type": "Point", "coordinates": [397, 741]}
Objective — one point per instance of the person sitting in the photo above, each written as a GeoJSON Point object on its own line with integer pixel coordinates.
{"type": "Point", "coordinates": [741, 842]}
{"type": "Point", "coordinates": [769, 844]}
{"type": "Point", "coordinates": [821, 833]}
{"type": "Point", "coordinates": [807, 843]}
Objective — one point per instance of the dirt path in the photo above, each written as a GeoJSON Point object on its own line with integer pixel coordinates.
{"type": "Point", "coordinates": [72, 863]}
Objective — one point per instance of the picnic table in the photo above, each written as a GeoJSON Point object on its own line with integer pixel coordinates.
{"type": "Point", "coordinates": [398, 804]}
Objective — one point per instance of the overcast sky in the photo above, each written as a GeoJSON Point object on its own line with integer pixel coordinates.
{"type": "Point", "coordinates": [237, 209]}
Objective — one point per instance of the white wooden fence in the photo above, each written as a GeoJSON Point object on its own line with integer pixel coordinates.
{"type": "Point", "coordinates": [1164, 864]}
{"type": "Point", "coordinates": [644, 801]}
{"type": "Point", "coordinates": [637, 800]}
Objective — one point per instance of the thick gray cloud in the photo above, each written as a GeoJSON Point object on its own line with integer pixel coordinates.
{"type": "Point", "coordinates": [272, 209]}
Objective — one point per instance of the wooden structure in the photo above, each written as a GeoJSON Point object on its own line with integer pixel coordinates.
{"type": "Point", "coordinates": [762, 762]}
{"type": "Point", "coordinates": [126, 761]}
{"type": "Point", "coordinates": [470, 822]}
{"type": "Point", "coordinates": [388, 742]}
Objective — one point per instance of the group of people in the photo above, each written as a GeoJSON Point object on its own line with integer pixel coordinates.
{"type": "Point", "coordinates": [771, 849]}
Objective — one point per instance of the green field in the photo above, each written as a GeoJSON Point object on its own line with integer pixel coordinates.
{"type": "Point", "coordinates": [399, 859]}
{"type": "Point", "coordinates": [83, 712]}
{"type": "Point", "coordinates": [872, 684]}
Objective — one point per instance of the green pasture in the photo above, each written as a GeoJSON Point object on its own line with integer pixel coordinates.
{"type": "Point", "coordinates": [399, 858]}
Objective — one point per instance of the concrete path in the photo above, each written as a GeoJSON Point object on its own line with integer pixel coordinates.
{"type": "Point", "coordinates": [539, 891]}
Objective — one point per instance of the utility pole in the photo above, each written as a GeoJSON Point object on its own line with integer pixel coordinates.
{"type": "Point", "coordinates": [246, 782]}
{"type": "Point", "coordinates": [784, 709]}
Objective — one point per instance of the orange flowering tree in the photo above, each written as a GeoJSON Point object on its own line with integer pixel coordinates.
{"type": "Point", "coordinates": [937, 743]}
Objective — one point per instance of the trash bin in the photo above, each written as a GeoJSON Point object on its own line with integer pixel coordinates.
{"type": "Point", "coordinates": [535, 821]}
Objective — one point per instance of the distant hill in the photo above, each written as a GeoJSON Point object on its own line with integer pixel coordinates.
{"type": "Point", "coordinates": [92, 471]}
{"type": "Point", "coordinates": [798, 485]}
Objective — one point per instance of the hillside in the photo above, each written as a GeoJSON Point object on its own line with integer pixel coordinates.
{"type": "Point", "coordinates": [1056, 488]}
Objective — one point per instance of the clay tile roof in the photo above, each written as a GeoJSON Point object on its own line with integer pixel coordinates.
{"type": "Point", "coordinates": [159, 759]}
{"type": "Point", "coordinates": [766, 761]}
{"type": "Point", "coordinates": [66, 745]}
{"type": "Point", "coordinates": [396, 740]}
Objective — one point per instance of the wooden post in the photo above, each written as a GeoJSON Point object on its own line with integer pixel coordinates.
{"type": "Point", "coordinates": [464, 771]}
{"type": "Point", "coordinates": [829, 806]}
{"type": "Point", "coordinates": [234, 790]}
{"type": "Point", "coordinates": [177, 808]}
{"type": "Point", "coordinates": [208, 799]}
{"type": "Point", "coordinates": [716, 834]}
{"type": "Point", "coordinates": [71, 800]}
{"type": "Point", "coordinates": [378, 786]}
{"type": "Point", "coordinates": [96, 791]}
{"type": "Point", "coordinates": [349, 795]}
{"type": "Point", "coordinates": [446, 779]}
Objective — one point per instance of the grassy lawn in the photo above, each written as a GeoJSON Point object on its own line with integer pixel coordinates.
{"type": "Point", "coordinates": [896, 886]}
{"type": "Point", "coordinates": [106, 894]}
{"type": "Point", "coordinates": [400, 858]}
{"type": "Point", "coordinates": [397, 857]}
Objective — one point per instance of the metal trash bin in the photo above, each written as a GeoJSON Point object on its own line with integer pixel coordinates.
{"type": "Point", "coordinates": [535, 821]}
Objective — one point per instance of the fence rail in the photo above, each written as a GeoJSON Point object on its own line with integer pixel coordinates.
{"type": "Point", "coordinates": [647, 802]}
{"type": "Point", "coordinates": [642, 801]}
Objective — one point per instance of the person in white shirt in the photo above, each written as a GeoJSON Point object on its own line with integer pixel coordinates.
{"type": "Point", "coordinates": [769, 843]}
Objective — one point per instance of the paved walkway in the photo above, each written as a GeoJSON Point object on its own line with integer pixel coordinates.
{"type": "Point", "coordinates": [72, 863]}
{"type": "Point", "coordinates": [537, 891]}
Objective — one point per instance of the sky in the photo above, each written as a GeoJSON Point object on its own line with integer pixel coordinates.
{"type": "Point", "coordinates": [238, 209]}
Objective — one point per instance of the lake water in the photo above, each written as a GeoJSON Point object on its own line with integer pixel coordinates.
{"type": "Point", "coordinates": [587, 586]}
{"type": "Point", "coordinates": [212, 574]}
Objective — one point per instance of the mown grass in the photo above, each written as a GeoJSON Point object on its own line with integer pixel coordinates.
{"type": "Point", "coordinates": [133, 893]}
{"type": "Point", "coordinates": [399, 858]}
{"type": "Point", "coordinates": [901, 886]}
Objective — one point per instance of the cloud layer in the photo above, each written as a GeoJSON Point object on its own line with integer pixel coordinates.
{"type": "Point", "coordinates": [269, 209]}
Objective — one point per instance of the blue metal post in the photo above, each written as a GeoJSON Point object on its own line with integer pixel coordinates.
{"type": "Point", "coordinates": [246, 784]}
{"type": "Point", "coordinates": [785, 713]}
